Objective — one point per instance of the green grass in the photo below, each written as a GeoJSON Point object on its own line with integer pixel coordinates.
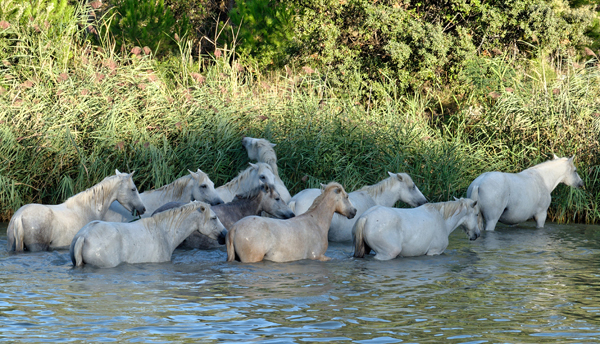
{"type": "Point", "coordinates": [60, 135]}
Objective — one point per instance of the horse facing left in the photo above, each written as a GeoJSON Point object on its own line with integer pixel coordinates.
{"type": "Point", "coordinates": [38, 227]}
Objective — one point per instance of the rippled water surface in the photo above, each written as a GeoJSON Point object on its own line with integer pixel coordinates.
{"type": "Point", "coordinates": [518, 285]}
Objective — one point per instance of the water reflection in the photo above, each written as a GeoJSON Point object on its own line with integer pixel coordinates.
{"type": "Point", "coordinates": [518, 284]}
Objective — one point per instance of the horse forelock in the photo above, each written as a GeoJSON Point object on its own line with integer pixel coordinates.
{"type": "Point", "coordinates": [96, 194]}
{"type": "Point", "coordinates": [317, 202]}
{"type": "Point", "coordinates": [176, 188]}
{"type": "Point", "coordinates": [386, 184]}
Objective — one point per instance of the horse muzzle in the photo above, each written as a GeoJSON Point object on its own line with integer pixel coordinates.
{"type": "Point", "coordinates": [352, 213]}
{"type": "Point", "coordinates": [216, 201]}
{"type": "Point", "coordinates": [221, 238]}
{"type": "Point", "coordinates": [474, 236]}
{"type": "Point", "coordinates": [140, 211]}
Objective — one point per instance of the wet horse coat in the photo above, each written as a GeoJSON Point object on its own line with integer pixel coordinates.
{"type": "Point", "coordinates": [37, 227]}
{"type": "Point", "coordinates": [254, 238]}
{"type": "Point", "coordinates": [149, 240]}
{"type": "Point", "coordinates": [398, 186]}
{"type": "Point", "coordinates": [512, 198]}
{"type": "Point", "coordinates": [424, 230]}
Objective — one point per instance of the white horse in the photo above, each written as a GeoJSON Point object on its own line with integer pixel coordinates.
{"type": "Point", "coordinates": [247, 180]}
{"type": "Point", "coordinates": [38, 227]}
{"type": "Point", "coordinates": [261, 150]}
{"type": "Point", "coordinates": [398, 186]}
{"type": "Point", "coordinates": [516, 197]}
{"type": "Point", "coordinates": [149, 240]}
{"type": "Point", "coordinates": [195, 186]}
{"type": "Point", "coordinates": [424, 230]}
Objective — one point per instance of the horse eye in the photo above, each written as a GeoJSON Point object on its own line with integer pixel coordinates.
{"type": "Point", "coordinates": [262, 177]}
{"type": "Point", "coordinates": [133, 189]}
{"type": "Point", "coordinates": [203, 186]}
{"type": "Point", "coordinates": [213, 218]}
{"type": "Point", "coordinates": [278, 199]}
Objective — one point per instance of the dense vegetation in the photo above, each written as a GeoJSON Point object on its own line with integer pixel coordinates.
{"type": "Point", "coordinates": [347, 89]}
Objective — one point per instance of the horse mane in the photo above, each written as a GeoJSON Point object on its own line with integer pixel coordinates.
{"type": "Point", "coordinates": [317, 202]}
{"type": "Point", "coordinates": [175, 188]}
{"type": "Point", "coordinates": [447, 209]}
{"type": "Point", "coordinates": [376, 189]}
{"type": "Point", "coordinates": [545, 163]}
{"type": "Point", "coordinates": [250, 194]}
{"type": "Point", "coordinates": [97, 193]}
{"type": "Point", "coordinates": [172, 217]}
{"type": "Point", "coordinates": [245, 174]}
{"type": "Point", "coordinates": [266, 153]}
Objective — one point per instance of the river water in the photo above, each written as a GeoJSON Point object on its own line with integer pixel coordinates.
{"type": "Point", "coordinates": [516, 285]}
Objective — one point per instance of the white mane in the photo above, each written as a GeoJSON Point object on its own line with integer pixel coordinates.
{"type": "Point", "coordinates": [172, 218]}
{"type": "Point", "coordinates": [97, 194]}
{"type": "Point", "coordinates": [447, 209]}
{"type": "Point", "coordinates": [245, 174]}
{"type": "Point", "coordinates": [384, 185]}
{"type": "Point", "coordinates": [175, 188]}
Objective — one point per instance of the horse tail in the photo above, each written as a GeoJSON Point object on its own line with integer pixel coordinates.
{"type": "Point", "coordinates": [76, 251]}
{"type": "Point", "coordinates": [229, 244]}
{"type": "Point", "coordinates": [15, 234]}
{"type": "Point", "coordinates": [360, 246]}
{"type": "Point", "coordinates": [292, 205]}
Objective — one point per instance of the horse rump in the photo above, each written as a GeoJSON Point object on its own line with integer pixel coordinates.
{"type": "Point", "coordinates": [77, 251]}
{"type": "Point", "coordinates": [360, 246]}
{"type": "Point", "coordinates": [231, 256]}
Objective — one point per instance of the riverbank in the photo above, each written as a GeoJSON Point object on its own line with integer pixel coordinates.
{"type": "Point", "coordinates": [71, 112]}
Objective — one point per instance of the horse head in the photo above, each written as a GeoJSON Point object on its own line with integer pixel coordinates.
{"type": "Point", "coordinates": [571, 178]}
{"type": "Point", "coordinates": [204, 189]}
{"type": "Point", "coordinates": [272, 203]}
{"type": "Point", "coordinates": [406, 189]}
{"type": "Point", "coordinates": [211, 226]}
{"type": "Point", "coordinates": [340, 198]}
{"type": "Point", "coordinates": [252, 145]}
{"type": "Point", "coordinates": [127, 193]}
{"type": "Point", "coordinates": [264, 173]}
{"type": "Point", "coordinates": [470, 222]}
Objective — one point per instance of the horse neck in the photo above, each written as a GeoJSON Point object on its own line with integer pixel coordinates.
{"type": "Point", "coordinates": [96, 200]}
{"type": "Point", "coordinates": [452, 220]}
{"type": "Point", "coordinates": [323, 214]}
{"type": "Point", "coordinates": [550, 173]}
{"type": "Point", "coordinates": [234, 186]}
{"type": "Point", "coordinates": [382, 193]}
{"type": "Point", "coordinates": [245, 206]}
{"type": "Point", "coordinates": [178, 191]}
{"type": "Point", "coordinates": [175, 228]}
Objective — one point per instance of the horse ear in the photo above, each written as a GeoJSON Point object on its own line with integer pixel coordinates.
{"type": "Point", "coordinates": [272, 144]}
{"type": "Point", "coordinates": [338, 190]}
{"type": "Point", "coordinates": [253, 165]}
{"type": "Point", "coordinates": [266, 187]}
{"type": "Point", "coordinates": [322, 186]}
{"type": "Point", "coordinates": [131, 174]}
{"type": "Point", "coordinates": [117, 172]}
{"type": "Point", "coordinates": [555, 157]}
{"type": "Point", "coordinates": [400, 178]}
{"type": "Point", "coordinates": [202, 208]}
{"type": "Point", "coordinates": [474, 204]}
{"type": "Point", "coordinates": [456, 199]}
{"type": "Point", "coordinates": [572, 158]}
{"type": "Point", "coordinates": [391, 174]}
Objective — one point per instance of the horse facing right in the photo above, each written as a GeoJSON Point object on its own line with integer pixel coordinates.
{"type": "Point", "coordinates": [254, 238]}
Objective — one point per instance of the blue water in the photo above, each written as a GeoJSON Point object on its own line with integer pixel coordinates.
{"type": "Point", "coordinates": [516, 285]}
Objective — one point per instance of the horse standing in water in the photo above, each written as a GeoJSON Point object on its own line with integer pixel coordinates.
{"type": "Point", "coordinates": [516, 197]}
{"type": "Point", "coordinates": [398, 186]}
{"type": "Point", "coordinates": [264, 198]}
{"type": "Point", "coordinates": [255, 238]}
{"type": "Point", "coordinates": [424, 230]}
{"type": "Point", "coordinates": [261, 150]}
{"type": "Point", "coordinates": [247, 180]}
{"type": "Point", "coordinates": [38, 227]}
{"type": "Point", "coordinates": [149, 240]}
{"type": "Point", "coordinates": [195, 186]}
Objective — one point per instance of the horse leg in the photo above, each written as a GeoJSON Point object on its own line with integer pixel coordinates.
{"type": "Point", "coordinates": [324, 258]}
{"type": "Point", "coordinates": [540, 218]}
{"type": "Point", "coordinates": [36, 226]}
{"type": "Point", "coordinates": [491, 219]}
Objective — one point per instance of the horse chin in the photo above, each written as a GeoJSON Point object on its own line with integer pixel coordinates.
{"type": "Point", "coordinates": [221, 238]}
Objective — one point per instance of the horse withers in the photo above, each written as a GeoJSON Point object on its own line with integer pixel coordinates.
{"type": "Point", "coordinates": [149, 240]}
{"type": "Point", "coordinates": [38, 227]}
{"type": "Point", "coordinates": [424, 230]}
{"type": "Point", "coordinates": [255, 238]}
{"type": "Point", "coordinates": [512, 198]}
{"type": "Point", "coordinates": [398, 186]}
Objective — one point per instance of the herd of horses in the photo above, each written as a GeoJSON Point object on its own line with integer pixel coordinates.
{"type": "Point", "coordinates": [256, 218]}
